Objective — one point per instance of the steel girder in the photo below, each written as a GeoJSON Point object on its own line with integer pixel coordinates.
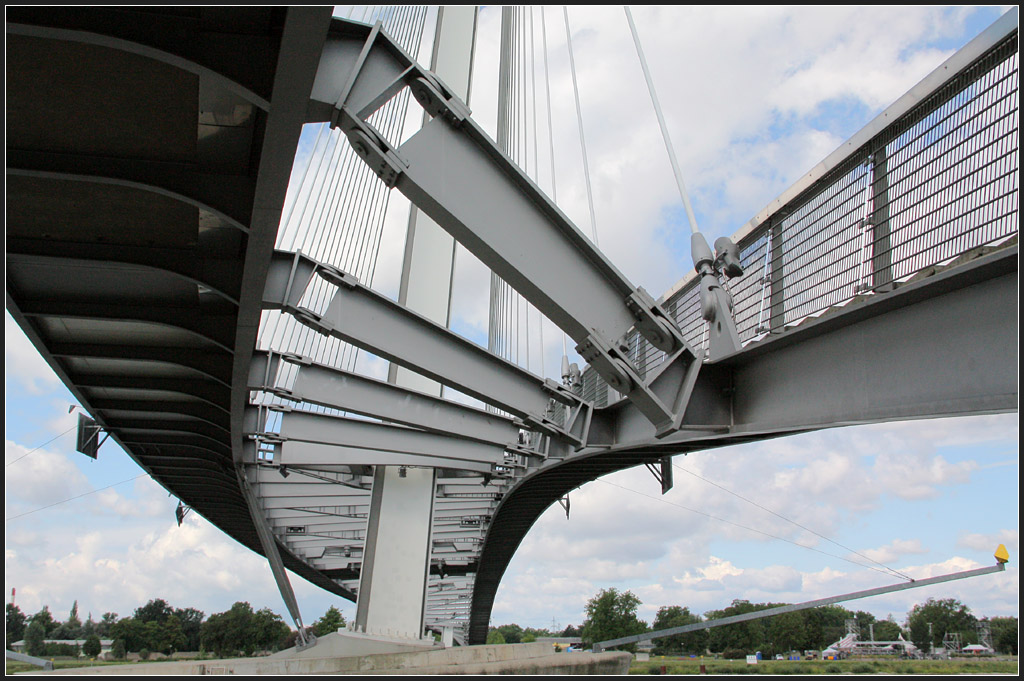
{"type": "Point", "coordinates": [456, 174]}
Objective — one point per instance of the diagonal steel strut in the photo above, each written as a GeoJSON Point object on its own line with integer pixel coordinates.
{"type": "Point", "coordinates": [456, 174]}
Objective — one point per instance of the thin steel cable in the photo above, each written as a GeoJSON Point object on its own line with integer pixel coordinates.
{"type": "Point", "coordinates": [56, 437]}
{"type": "Point", "coordinates": [664, 128]}
{"type": "Point", "coordinates": [58, 503]}
{"type": "Point", "coordinates": [745, 527]}
{"type": "Point", "coordinates": [793, 522]}
{"type": "Point", "coordinates": [579, 118]}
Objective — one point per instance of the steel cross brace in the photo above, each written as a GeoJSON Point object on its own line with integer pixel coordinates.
{"type": "Point", "coordinates": [350, 392]}
{"type": "Point", "coordinates": [457, 175]}
{"type": "Point", "coordinates": [375, 323]}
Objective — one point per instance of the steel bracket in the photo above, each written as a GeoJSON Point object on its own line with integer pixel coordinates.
{"type": "Point", "coordinates": [436, 100]}
{"type": "Point", "coordinates": [297, 359]}
{"type": "Point", "coordinates": [613, 365]}
{"type": "Point", "coordinates": [653, 323]}
{"type": "Point", "coordinates": [333, 275]}
{"type": "Point", "coordinates": [376, 152]}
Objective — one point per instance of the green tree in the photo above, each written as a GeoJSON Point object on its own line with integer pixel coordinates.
{"type": "Point", "coordinates": [165, 637]}
{"type": "Point", "coordinates": [494, 637]}
{"type": "Point", "coordinates": [329, 623]}
{"type": "Point", "coordinates": [242, 631]}
{"type": "Point", "coordinates": [191, 623]}
{"type": "Point", "coordinates": [108, 620]}
{"type": "Point", "coordinates": [570, 632]}
{"type": "Point", "coordinates": [670, 617]}
{"type": "Point", "coordinates": [71, 629]}
{"type": "Point", "coordinates": [46, 619]}
{"type": "Point", "coordinates": [88, 627]}
{"type": "Point", "coordinates": [117, 649]}
{"type": "Point", "coordinates": [530, 634]}
{"type": "Point", "coordinates": [35, 634]}
{"type": "Point", "coordinates": [946, 616]}
{"type": "Point", "coordinates": [92, 646]}
{"type": "Point", "coordinates": [825, 625]}
{"type": "Point", "coordinates": [1004, 634]}
{"type": "Point", "coordinates": [269, 631]}
{"type": "Point", "coordinates": [742, 636]}
{"type": "Point", "coordinates": [785, 632]}
{"type": "Point", "coordinates": [74, 621]}
{"type": "Point", "coordinates": [16, 621]}
{"type": "Point", "coordinates": [887, 630]}
{"type": "Point", "coordinates": [512, 633]}
{"type": "Point", "coordinates": [611, 615]}
{"type": "Point", "coordinates": [157, 610]}
{"type": "Point", "coordinates": [131, 632]}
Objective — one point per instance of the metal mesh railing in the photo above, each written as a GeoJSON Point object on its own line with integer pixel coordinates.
{"type": "Point", "coordinates": [939, 181]}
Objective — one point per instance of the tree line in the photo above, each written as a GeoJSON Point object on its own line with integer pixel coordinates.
{"type": "Point", "coordinates": [157, 627]}
{"type": "Point", "coordinates": [612, 614]}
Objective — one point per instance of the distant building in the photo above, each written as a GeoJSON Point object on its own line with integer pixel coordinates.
{"type": "Point", "coordinates": [105, 644]}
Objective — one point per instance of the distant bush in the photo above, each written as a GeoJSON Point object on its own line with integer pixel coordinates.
{"type": "Point", "coordinates": [144, 654]}
{"type": "Point", "coordinates": [61, 650]}
{"type": "Point", "coordinates": [92, 646]}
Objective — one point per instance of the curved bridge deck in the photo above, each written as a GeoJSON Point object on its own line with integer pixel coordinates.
{"type": "Point", "coordinates": [148, 156]}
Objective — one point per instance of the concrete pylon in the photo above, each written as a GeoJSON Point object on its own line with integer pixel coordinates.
{"type": "Point", "coordinates": [396, 558]}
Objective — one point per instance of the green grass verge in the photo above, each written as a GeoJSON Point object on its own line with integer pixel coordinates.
{"type": "Point", "coordinates": [676, 665]}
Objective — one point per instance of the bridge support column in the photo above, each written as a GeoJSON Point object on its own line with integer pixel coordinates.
{"type": "Point", "coordinates": [396, 556]}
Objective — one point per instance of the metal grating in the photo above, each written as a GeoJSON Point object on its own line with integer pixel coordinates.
{"type": "Point", "coordinates": [940, 181]}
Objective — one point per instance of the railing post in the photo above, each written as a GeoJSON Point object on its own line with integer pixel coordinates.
{"type": "Point", "coordinates": [881, 259]}
{"type": "Point", "coordinates": [777, 307]}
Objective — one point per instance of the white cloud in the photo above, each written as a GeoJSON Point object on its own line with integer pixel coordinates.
{"type": "Point", "coordinates": [893, 551]}
{"type": "Point", "coordinates": [989, 542]}
{"type": "Point", "coordinates": [22, 362]}
{"type": "Point", "coordinates": [40, 477]}
{"type": "Point", "coordinates": [746, 92]}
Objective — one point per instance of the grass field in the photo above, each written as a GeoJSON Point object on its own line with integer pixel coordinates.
{"type": "Point", "coordinates": [675, 665]}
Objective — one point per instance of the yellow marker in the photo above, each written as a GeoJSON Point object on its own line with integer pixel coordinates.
{"type": "Point", "coordinates": [1001, 555]}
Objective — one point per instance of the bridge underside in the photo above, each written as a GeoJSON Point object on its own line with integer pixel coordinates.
{"type": "Point", "coordinates": [148, 156]}
{"type": "Point", "coordinates": [943, 346]}
{"type": "Point", "coordinates": [148, 152]}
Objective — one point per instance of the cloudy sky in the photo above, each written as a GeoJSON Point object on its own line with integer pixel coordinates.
{"type": "Point", "coordinates": [753, 97]}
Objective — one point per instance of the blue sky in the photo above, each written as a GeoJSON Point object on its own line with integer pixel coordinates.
{"type": "Point", "coordinates": [754, 97]}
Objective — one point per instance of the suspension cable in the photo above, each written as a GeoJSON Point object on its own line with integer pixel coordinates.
{"type": "Point", "coordinates": [751, 529]}
{"type": "Point", "coordinates": [664, 128]}
{"type": "Point", "coordinates": [579, 118]}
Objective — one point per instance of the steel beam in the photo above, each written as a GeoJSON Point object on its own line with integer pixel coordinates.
{"type": "Point", "coordinates": [350, 392]}
{"type": "Point", "coordinates": [379, 325]}
{"type": "Point", "coordinates": [303, 427]}
{"type": "Point", "coordinates": [771, 612]}
{"type": "Point", "coordinates": [944, 355]}
{"type": "Point", "coordinates": [455, 173]}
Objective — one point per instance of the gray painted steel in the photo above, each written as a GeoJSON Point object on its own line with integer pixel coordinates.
{"type": "Point", "coordinates": [770, 612]}
{"type": "Point", "coordinates": [22, 657]}
{"type": "Point", "coordinates": [169, 375]}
